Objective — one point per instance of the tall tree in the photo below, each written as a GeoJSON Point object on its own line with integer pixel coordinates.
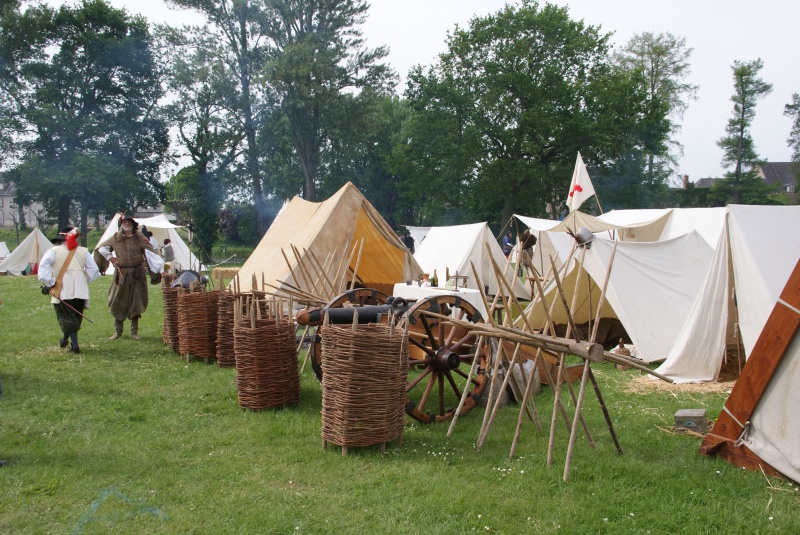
{"type": "Point", "coordinates": [500, 117]}
{"type": "Point", "coordinates": [738, 147]}
{"type": "Point", "coordinates": [792, 110]}
{"type": "Point", "coordinates": [238, 27]}
{"type": "Point", "coordinates": [87, 95]}
{"type": "Point", "coordinates": [663, 61]}
{"type": "Point", "coordinates": [317, 66]}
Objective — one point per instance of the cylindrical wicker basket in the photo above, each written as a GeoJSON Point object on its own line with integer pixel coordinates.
{"type": "Point", "coordinates": [197, 323]}
{"type": "Point", "coordinates": [170, 297]}
{"type": "Point", "coordinates": [363, 384]}
{"type": "Point", "coordinates": [267, 375]}
{"type": "Point", "coordinates": [226, 356]}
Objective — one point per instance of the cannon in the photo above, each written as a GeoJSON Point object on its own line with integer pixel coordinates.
{"type": "Point", "coordinates": [440, 354]}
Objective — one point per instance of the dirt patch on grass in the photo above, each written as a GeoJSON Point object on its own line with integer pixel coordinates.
{"type": "Point", "coordinates": [727, 378]}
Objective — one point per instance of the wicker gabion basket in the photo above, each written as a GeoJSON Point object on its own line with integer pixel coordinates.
{"type": "Point", "coordinates": [170, 297]}
{"type": "Point", "coordinates": [226, 355]}
{"type": "Point", "coordinates": [267, 375]}
{"type": "Point", "coordinates": [197, 323]}
{"type": "Point", "coordinates": [365, 370]}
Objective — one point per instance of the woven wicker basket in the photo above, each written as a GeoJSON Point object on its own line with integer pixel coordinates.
{"type": "Point", "coordinates": [226, 355]}
{"type": "Point", "coordinates": [197, 323]}
{"type": "Point", "coordinates": [267, 375]}
{"type": "Point", "coordinates": [363, 384]}
{"type": "Point", "coordinates": [170, 297]}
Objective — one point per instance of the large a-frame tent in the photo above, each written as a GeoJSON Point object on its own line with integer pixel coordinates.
{"type": "Point", "coordinates": [331, 230]}
{"type": "Point", "coordinates": [758, 426]}
{"type": "Point", "coordinates": [162, 229]}
{"type": "Point", "coordinates": [674, 295]}
{"type": "Point", "coordinates": [29, 252]}
{"type": "Point", "coordinates": [456, 248]}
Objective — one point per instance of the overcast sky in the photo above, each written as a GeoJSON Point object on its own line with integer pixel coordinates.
{"type": "Point", "coordinates": [719, 31]}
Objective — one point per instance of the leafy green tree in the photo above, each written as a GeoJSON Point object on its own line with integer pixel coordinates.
{"type": "Point", "coordinates": [663, 61]}
{"type": "Point", "coordinates": [792, 111]}
{"type": "Point", "coordinates": [238, 28]}
{"type": "Point", "coordinates": [86, 92]}
{"type": "Point", "coordinates": [738, 147]}
{"type": "Point", "coordinates": [197, 196]}
{"type": "Point", "coordinates": [499, 119]}
{"type": "Point", "coordinates": [316, 66]}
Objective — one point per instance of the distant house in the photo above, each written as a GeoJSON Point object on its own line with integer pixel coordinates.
{"type": "Point", "coordinates": [10, 212]}
{"type": "Point", "coordinates": [781, 174]}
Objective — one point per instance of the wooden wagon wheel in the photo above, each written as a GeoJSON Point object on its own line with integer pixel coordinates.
{"type": "Point", "coordinates": [440, 357]}
{"type": "Point", "coordinates": [353, 298]}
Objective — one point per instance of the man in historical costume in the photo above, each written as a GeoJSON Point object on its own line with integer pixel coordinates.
{"type": "Point", "coordinates": [127, 296]}
{"type": "Point", "coordinates": [66, 270]}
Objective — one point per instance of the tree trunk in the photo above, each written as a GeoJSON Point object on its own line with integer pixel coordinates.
{"type": "Point", "coordinates": [250, 131]}
{"type": "Point", "coordinates": [309, 172]}
{"type": "Point", "coordinates": [84, 224]}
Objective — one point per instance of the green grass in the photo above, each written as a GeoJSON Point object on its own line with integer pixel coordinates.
{"type": "Point", "coordinates": [128, 437]}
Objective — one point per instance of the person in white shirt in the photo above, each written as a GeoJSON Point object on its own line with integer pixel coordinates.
{"type": "Point", "coordinates": [69, 293]}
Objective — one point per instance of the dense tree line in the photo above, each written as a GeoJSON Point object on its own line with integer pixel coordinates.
{"type": "Point", "coordinates": [275, 98]}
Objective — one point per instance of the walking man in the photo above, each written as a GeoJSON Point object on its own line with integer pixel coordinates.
{"type": "Point", "coordinates": [66, 270]}
{"type": "Point", "coordinates": [127, 296]}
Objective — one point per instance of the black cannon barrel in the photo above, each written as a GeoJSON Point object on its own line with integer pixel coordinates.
{"type": "Point", "coordinates": [344, 315]}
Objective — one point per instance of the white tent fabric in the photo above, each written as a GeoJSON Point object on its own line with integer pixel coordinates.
{"type": "Point", "coordinates": [457, 247]}
{"type": "Point", "coordinates": [762, 251]}
{"type": "Point", "coordinates": [162, 229]}
{"type": "Point", "coordinates": [651, 289]}
{"type": "Point", "coordinates": [765, 248]}
{"type": "Point", "coordinates": [418, 233]}
{"type": "Point", "coordinates": [4, 252]}
{"type": "Point", "coordinates": [774, 426]}
{"type": "Point", "coordinates": [30, 251]}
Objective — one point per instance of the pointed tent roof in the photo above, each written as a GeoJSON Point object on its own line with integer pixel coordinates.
{"type": "Point", "coordinates": [162, 229]}
{"type": "Point", "coordinates": [456, 247]}
{"type": "Point", "coordinates": [342, 220]}
{"type": "Point", "coordinates": [30, 251]}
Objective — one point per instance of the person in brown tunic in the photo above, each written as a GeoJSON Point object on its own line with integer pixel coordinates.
{"type": "Point", "coordinates": [127, 296]}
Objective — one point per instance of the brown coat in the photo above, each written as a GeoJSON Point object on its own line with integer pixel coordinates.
{"type": "Point", "coordinates": [127, 296]}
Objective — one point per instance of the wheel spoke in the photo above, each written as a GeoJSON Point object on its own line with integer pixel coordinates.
{"type": "Point", "coordinates": [428, 330]}
{"type": "Point", "coordinates": [427, 392]}
{"type": "Point", "coordinates": [419, 378]}
{"type": "Point", "coordinates": [455, 347]}
{"type": "Point", "coordinates": [441, 339]}
{"type": "Point", "coordinates": [453, 385]}
{"type": "Point", "coordinates": [427, 361]}
{"type": "Point", "coordinates": [452, 333]}
{"type": "Point", "coordinates": [430, 352]}
{"type": "Point", "coordinates": [441, 395]}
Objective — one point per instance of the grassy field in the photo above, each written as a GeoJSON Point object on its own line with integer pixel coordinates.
{"type": "Point", "coordinates": [128, 437]}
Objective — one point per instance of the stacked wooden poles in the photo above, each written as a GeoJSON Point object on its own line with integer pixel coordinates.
{"type": "Point", "coordinates": [267, 374]}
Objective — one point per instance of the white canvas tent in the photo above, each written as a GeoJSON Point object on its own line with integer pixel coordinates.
{"type": "Point", "coordinates": [758, 427]}
{"type": "Point", "coordinates": [756, 254]}
{"type": "Point", "coordinates": [651, 288]}
{"type": "Point", "coordinates": [29, 252]}
{"type": "Point", "coordinates": [335, 225]}
{"type": "Point", "coordinates": [162, 229]}
{"type": "Point", "coordinates": [456, 247]}
{"type": "Point", "coordinates": [675, 300]}
{"type": "Point", "coordinates": [4, 252]}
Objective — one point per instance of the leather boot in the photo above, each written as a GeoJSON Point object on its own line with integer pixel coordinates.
{"type": "Point", "coordinates": [135, 329]}
{"type": "Point", "coordinates": [117, 330]}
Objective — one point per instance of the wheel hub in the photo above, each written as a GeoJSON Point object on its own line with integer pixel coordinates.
{"type": "Point", "coordinates": [446, 360]}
